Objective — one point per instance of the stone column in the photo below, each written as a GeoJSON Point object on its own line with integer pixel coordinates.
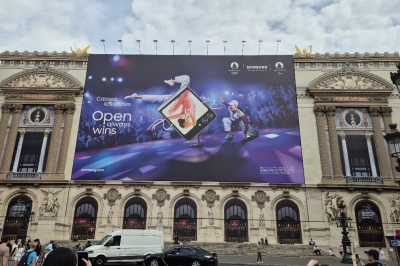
{"type": "Point", "coordinates": [5, 116]}
{"type": "Point", "coordinates": [345, 155]}
{"type": "Point", "coordinates": [380, 144]}
{"type": "Point", "coordinates": [387, 120]}
{"type": "Point", "coordinates": [333, 140]}
{"type": "Point", "coordinates": [55, 137]}
{"type": "Point", "coordinates": [18, 152]}
{"type": "Point", "coordinates": [62, 158]}
{"type": "Point", "coordinates": [323, 146]}
{"type": "Point", "coordinates": [43, 152]}
{"type": "Point", "coordinates": [371, 156]}
{"type": "Point", "coordinates": [12, 134]}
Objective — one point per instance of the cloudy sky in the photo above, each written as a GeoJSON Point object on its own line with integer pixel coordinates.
{"type": "Point", "coordinates": [329, 26]}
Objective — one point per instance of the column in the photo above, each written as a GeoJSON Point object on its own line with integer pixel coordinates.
{"type": "Point", "coordinates": [18, 153]}
{"type": "Point", "coordinates": [66, 137]}
{"type": "Point", "coordinates": [55, 137]}
{"type": "Point", "coordinates": [371, 155]}
{"type": "Point", "coordinates": [333, 140]}
{"type": "Point", "coordinates": [43, 152]}
{"type": "Point", "coordinates": [5, 116]}
{"type": "Point", "coordinates": [387, 120]}
{"type": "Point", "coordinates": [323, 147]}
{"type": "Point", "coordinates": [380, 144]}
{"type": "Point", "coordinates": [345, 155]}
{"type": "Point", "coordinates": [12, 134]}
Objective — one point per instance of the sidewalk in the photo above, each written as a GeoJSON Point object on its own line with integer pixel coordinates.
{"type": "Point", "coordinates": [251, 260]}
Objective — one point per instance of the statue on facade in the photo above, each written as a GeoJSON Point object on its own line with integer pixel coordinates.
{"type": "Point", "coordinates": [210, 217]}
{"type": "Point", "coordinates": [50, 203]}
{"type": "Point", "coordinates": [159, 217]}
{"type": "Point", "coordinates": [109, 217]}
{"type": "Point", "coordinates": [394, 208]}
{"type": "Point", "coordinates": [332, 203]}
{"type": "Point", "coordinates": [262, 221]}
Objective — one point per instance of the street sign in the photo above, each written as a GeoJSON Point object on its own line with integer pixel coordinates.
{"type": "Point", "coordinates": [397, 232]}
{"type": "Point", "coordinates": [397, 237]}
{"type": "Point", "coordinates": [395, 243]}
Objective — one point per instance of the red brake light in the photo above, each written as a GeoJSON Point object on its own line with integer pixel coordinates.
{"type": "Point", "coordinates": [209, 256]}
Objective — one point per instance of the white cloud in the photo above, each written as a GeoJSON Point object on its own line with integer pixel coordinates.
{"type": "Point", "coordinates": [330, 26]}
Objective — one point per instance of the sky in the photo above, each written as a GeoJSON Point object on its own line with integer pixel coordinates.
{"type": "Point", "coordinates": [329, 26]}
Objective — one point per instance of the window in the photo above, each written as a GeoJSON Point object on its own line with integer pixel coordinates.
{"type": "Point", "coordinates": [114, 241]}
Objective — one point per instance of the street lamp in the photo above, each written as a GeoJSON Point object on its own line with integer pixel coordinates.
{"type": "Point", "coordinates": [395, 77]}
{"type": "Point", "coordinates": [344, 222]}
{"type": "Point", "coordinates": [393, 139]}
{"type": "Point", "coordinates": [27, 216]}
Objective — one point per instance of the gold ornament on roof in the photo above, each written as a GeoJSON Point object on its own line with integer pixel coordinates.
{"type": "Point", "coordinates": [80, 51]}
{"type": "Point", "coordinates": [305, 51]}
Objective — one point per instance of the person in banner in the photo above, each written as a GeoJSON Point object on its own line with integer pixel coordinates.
{"type": "Point", "coordinates": [237, 116]}
{"type": "Point", "coordinates": [186, 118]}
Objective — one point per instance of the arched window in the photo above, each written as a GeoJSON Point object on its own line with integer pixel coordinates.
{"type": "Point", "coordinates": [288, 223]}
{"type": "Point", "coordinates": [135, 213]}
{"type": "Point", "coordinates": [236, 224]}
{"type": "Point", "coordinates": [14, 221]}
{"type": "Point", "coordinates": [369, 225]}
{"type": "Point", "coordinates": [85, 217]}
{"type": "Point", "coordinates": [185, 220]}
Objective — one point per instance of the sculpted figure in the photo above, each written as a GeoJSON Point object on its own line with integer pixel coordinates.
{"type": "Point", "coordinates": [50, 203]}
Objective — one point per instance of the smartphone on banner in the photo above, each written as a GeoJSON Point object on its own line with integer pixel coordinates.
{"type": "Point", "coordinates": [82, 255]}
{"type": "Point", "coordinates": [187, 113]}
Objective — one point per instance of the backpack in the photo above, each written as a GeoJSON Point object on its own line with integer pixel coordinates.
{"type": "Point", "coordinates": [53, 246]}
{"type": "Point", "coordinates": [24, 259]}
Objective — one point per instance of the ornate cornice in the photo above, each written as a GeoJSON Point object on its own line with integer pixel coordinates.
{"type": "Point", "coordinates": [347, 55]}
{"type": "Point", "coordinates": [43, 54]}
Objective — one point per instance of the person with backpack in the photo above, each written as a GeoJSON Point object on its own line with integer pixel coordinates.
{"type": "Point", "coordinates": [29, 257]}
{"type": "Point", "coordinates": [4, 251]}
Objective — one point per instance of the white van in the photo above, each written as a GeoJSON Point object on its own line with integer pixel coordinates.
{"type": "Point", "coordinates": [127, 245]}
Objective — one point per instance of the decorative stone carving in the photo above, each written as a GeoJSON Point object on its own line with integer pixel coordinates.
{"type": "Point", "coordinates": [262, 221]}
{"type": "Point", "coordinates": [50, 203]}
{"type": "Point", "coordinates": [160, 217]}
{"type": "Point", "coordinates": [210, 217]}
{"type": "Point", "coordinates": [331, 203]}
{"type": "Point", "coordinates": [112, 196]}
{"type": "Point", "coordinates": [210, 196]}
{"type": "Point", "coordinates": [66, 137]}
{"type": "Point", "coordinates": [161, 196]}
{"type": "Point", "coordinates": [110, 215]}
{"type": "Point", "coordinates": [394, 208]}
{"type": "Point", "coordinates": [260, 197]}
{"type": "Point", "coordinates": [323, 98]}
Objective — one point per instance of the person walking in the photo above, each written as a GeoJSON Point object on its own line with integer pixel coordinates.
{"type": "Point", "coordinates": [373, 258]}
{"type": "Point", "coordinates": [18, 253]}
{"type": "Point", "coordinates": [31, 254]}
{"type": "Point", "coordinates": [382, 257]}
{"type": "Point", "coordinates": [4, 251]}
{"type": "Point", "coordinates": [341, 251]}
{"type": "Point", "coordinates": [266, 241]}
{"type": "Point", "coordinates": [259, 247]}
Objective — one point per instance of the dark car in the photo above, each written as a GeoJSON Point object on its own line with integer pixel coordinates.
{"type": "Point", "coordinates": [182, 256]}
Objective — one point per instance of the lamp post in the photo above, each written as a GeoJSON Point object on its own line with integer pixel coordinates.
{"type": "Point", "coordinates": [393, 140]}
{"type": "Point", "coordinates": [26, 217]}
{"type": "Point", "coordinates": [344, 223]}
{"type": "Point", "coordinates": [395, 77]}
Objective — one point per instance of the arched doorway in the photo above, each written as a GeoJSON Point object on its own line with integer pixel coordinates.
{"type": "Point", "coordinates": [236, 224]}
{"type": "Point", "coordinates": [85, 218]}
{"type": "Point", "coordinates": [185, 220]}
{"type": "Point", "coordinates": [369, 225]}
{"type": "Point", "coordinates": [288, 223]}
{"type": "Point", "coordinates": [135, 214]}
{"type": "Point", "coordinates": [15, 217]}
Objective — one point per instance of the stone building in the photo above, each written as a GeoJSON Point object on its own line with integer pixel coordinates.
{"type": "Point", "coordinates": [346, 103]}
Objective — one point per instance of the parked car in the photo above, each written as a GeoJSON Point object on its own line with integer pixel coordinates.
{"type": "Point", "coordinates": [127, 245]}
{"type": "Point", "coordinates": [182, 256]}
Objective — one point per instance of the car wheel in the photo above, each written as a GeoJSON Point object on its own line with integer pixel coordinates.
{"type": "Point", "coordinates": [196, 263]}
{"type": "Point", "coordinates": [154, 262]}
{"type": "Point", "coordinates": [100, 260]}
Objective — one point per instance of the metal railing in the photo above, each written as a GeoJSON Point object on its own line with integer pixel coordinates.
{"type": "Point", "coordinates": [364, 180]}
{"type": "Point", "coordinates": [24, 176]}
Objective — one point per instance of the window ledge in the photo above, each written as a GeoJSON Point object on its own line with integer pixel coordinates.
{"type": "Point", "coordinates": [364, 180]}
{"type": "Point", "coordinates": [24, 176]}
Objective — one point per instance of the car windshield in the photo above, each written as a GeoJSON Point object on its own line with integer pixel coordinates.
{"type": "Point", "coordinates": [104, 240]}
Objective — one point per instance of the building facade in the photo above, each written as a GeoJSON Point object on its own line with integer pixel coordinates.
{"type": "Point", "coordinates": [345, 102]}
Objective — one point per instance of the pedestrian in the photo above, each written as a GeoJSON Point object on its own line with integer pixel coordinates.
{"type": "Point", "coordinates": [259, 247]}
{"type": "Point", "coordinates": [341, 251]}
{"type": "Point", "coordinates": [32, 257]}
{"type": "Point", "coordinates": [176, 239]}
{"type": "Point", "coordinates": [316, 250]}
{"type": "Point", "coordinates": [50, 246]}
{"type": "Point", "coordinates": [382, 257]}
{"type": "Point", "coordinates": [373, 258]}
{"type": "Point", "coordinates": [4, 251]}
{"type": "Point", "coordinates": [312, 243]}
{"type": "Point", "coordinates": [17, 254]}
{"type": "Point", "coordinates": [38, 249]}
{"type": "Point", "coordinates": [262, 241]}
{"type": "Point", "coordinates": [266, 241]}
{"type": "Point", "coordinates": [63, 257]}
{"type": "Point", "coordinates": [330, 252]}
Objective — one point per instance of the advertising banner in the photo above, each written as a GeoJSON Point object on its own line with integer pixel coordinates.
{"type": "Point", "coordinates": [254, 137]}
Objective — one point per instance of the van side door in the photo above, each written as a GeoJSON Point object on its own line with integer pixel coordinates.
{"type": "Point", "coordinates": [113, 249]}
